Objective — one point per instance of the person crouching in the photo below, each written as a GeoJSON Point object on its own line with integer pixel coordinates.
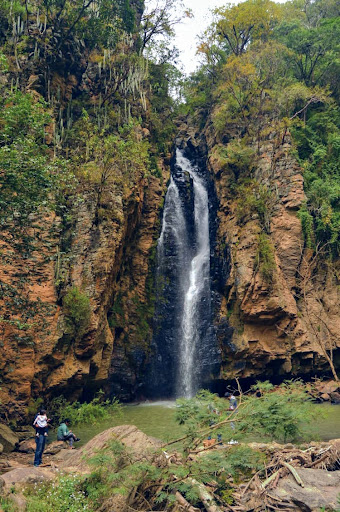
{"type": "Point", "coordinates": [64, 434]}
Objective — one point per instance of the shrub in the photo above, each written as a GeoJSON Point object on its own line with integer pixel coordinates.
{"type": "Point", "coordinates": [265, 257]}
{"type": "Point", "coordinates": [237, 155]}
{"type": "Point", "coordinates": [77, 310]}
{"type": "Point", "coordinates": [254, 198]}
{"type": "Point", "coordinates": [307, 225]}
{"type": "Point", "coordinates": [280, 413]}
{"type": "Point", "coordinates": [86, 413]}
{"type": "Point", "coordinates": [63, 495]}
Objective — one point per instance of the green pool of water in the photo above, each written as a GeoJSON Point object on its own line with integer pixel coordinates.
{"type": "Point", "coordinates": [158, 420]}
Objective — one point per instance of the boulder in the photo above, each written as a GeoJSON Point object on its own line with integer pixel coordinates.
{"type": "Point", "coordinates": [27, 446]}
{"type": "Point", "coordinates": [20, 477]}
{"type": "Point", "coordinates": [8, 439]}
{"type": "Point", "coordinates": [25, 432]}
{"type": "Point", "coordinates": [325, 397]}
{"type": "Point", "coordinates": [328, 387]}
{"type": "Point", "coordinates": [4, 465]}
{"type": "Point", "coordinates": [320, 491]}
{"type": "Point", "coordinates": [335, 397]}
{"type": "Point", "coordinates": [1, 448]}
{"type": "Point", "coordinates": [138, 443]}
{"type": "Point", "coordinates": [19, 501]}
{"type": "Point", "coordinates": [55, 447]}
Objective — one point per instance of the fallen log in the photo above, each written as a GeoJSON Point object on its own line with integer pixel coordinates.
{"type": "Point", "coordinates": [294, 473]}
{"type": "Point", "coordinates": [324, 457]}
{"type": "Point", "coordinates": [205, 496]}
{"type": "Point", "coordinates": [253, 478]}
{"type": "Point", "coordinates": [272, 477]}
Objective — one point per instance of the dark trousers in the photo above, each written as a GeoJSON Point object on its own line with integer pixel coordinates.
{"type": "Point", "coordinates": [68, 437]}
{"type": "Point", "coordinates": [39, 450]}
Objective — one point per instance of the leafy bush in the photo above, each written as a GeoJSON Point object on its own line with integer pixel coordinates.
{"type": "Point", "coordinates": [279, 413]}
{"type": "Point", "coordinates": [318, 143]}
{"type": "Point", "coordinates": [28, 175]}
{"type": "Point", "coordinates": [253, 198]}
{"type": "Point", "coordinates": [237, 155]}
{"type": "Point", "coordinates": [88, 412]}
{"type": "Point", "coordinates": [77, 310]}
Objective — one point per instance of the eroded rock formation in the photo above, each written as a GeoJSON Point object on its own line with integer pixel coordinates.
{"type": "Point", "coordinates": [109, 261]}
{"type": "Point", "coordinates": [270, 325]}
{"type": "Point", "coordinates": [275, 324]}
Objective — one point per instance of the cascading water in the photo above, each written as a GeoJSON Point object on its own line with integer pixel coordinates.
{"type": "Point", "coordinates": [184, 339]}
{"type": "Point", "coordinates": [198, 291]}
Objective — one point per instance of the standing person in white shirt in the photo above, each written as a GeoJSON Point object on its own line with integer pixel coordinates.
{"type": "Point", "coordinates": [41, 425]}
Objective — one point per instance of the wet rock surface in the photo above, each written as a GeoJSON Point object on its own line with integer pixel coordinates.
{"type": "Point", "coordinates": [183, 310]}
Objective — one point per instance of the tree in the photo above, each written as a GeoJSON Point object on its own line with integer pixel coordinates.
{"type": "Point", "coordinates": [245, 22]}
{"type": "Point", "coordinates": [27, 173]}
{"type": "Point", "coordinates": [314, 48]}
{"type": "Point", "coordinates": [161, 20]}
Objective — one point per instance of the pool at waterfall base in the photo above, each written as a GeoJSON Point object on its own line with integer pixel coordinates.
{"type": "Point", "coordinates": [157, 419]}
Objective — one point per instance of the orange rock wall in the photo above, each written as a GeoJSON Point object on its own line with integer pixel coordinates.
{"type": "Point", "coordinates": [104, 260]}
{"type": "Point", "coordinates": [279, 328]}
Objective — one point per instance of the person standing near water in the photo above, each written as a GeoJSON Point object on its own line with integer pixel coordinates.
{"type": "Point", "coordinates": [41, 425]}
{"type": "Point", "coordinates": [232, 407]}
{"type": "Point", "coordinates": [232, 401]}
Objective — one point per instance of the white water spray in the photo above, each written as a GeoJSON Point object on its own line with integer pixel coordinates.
{"type": "Point", "coordinates": [198, 286]}
{"type": "Point", "coordinates": [185, 342]}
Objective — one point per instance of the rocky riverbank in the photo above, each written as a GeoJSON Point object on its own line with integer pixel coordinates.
{"type": "Point", "coordinates": [301, 478]}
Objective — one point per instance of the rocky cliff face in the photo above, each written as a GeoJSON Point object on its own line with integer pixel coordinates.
{"type": "Point", "coordinates": [275, 308]}
{"type": "Point", "coordinates": [278, 308]}
{"type": "Point", "coordinates": [109, 261]}
{"type": "Point", "coordinates": [75, 290]}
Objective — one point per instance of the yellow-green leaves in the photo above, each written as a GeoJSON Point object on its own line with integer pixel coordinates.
{"type": "Point", "coordinates": [239, 24]}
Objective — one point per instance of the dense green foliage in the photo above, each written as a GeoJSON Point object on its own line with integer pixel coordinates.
{"type": "Point", "coordinates": [278, 414]}
{"type": "Point", "coordinates": [82, 413]}
{"type": "Point", "coordinates": [265, 257]}
{"type": "Point", "coordinates": [269, 72]}
{"type": "Point", "coordinates": [77, 310]}
{"type": "Point", "coordinates": [27, 173]}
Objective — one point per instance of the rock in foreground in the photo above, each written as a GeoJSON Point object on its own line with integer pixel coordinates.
{"type": "Point", "coordinates": [21, 477]}
{"type": "Point", "coordinates": [7, 438]}
{"type": "Point", "coordinates": [321, 489]}
{"type": "Point", "coordinates": [139, 443]}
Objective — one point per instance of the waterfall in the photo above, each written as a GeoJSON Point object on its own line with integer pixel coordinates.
{"type": "Point", "coordinates": [184, 339]}
{"type": "Point", "coordinates": [198, 290]}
